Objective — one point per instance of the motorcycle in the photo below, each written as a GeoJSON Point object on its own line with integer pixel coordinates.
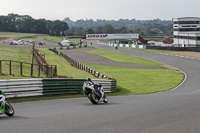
{"type": "Point", "coordinates": [5, 107]}
{"type": "Point", "coordinates": [94, 92]}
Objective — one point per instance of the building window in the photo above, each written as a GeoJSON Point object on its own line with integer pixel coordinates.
{"type": "Point", "coordinates": [187, 37]}
{"type": "Point", "coordinates": [187, 22]}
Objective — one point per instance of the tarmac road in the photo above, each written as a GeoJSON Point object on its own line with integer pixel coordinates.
{"type": "Point", "coordinates": [175, 111]}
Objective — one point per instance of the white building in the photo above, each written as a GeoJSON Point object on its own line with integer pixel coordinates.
{"type": "Point", "coordinates": [187, 32]}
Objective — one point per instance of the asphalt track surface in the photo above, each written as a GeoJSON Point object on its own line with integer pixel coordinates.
{"type": "Point", "coordinates": [175, 111]}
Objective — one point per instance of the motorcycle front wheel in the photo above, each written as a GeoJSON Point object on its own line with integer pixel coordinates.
{"type": "Point", "coordinates": [9, 110]}
{"type": "Point", "coordinates": [93, 98]}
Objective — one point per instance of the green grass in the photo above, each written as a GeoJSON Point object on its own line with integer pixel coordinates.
{"type": "Point", "coordinates": [16, 33]}
{"type": "Point", "coordinates": [12, 53]}
{"type": "Point", "coordinates": [15, 54]}
{"type": "Point", "coordinates": [123, 58]}
{"type": "Point", "coordinates": [141, 81]}
{"type": "Point", "coordinates": [27, 37]}
{"type": "Point", "coordinates": [52, 38]}
{"type": "Point", "coordinates": [75, 40]}
{"type": "Point", "coordinates": [3, 38]}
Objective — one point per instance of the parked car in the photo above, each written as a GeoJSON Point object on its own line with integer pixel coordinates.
{"type": "Point", "coordinates": [18, 42]}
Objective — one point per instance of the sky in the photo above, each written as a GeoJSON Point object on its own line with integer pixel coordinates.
{"type": "Point", "coordinates": [102, 9]}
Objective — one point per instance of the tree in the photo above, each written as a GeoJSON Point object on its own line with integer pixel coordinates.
{"type": "Point", "coordinates": [108, 28]}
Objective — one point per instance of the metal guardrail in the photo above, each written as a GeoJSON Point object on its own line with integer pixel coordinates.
{"type": "Point", "coordinates": [39, 87]}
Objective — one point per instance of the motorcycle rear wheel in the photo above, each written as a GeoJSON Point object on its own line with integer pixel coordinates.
{"type": "Point", "coordinates": [9, 110]}
{"type": "Point", "coordinates": [93, 98]}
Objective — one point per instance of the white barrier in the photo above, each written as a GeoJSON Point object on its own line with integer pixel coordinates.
{"type": "Point", "coordinates": [21, 87]}
{"type": "Point", "coordinates": [123, 45]}
{"type": "Point", "coordinates": [34, 87]}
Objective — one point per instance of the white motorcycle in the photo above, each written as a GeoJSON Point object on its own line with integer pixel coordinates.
{"type": "Point", "coordinates": [94, 91]}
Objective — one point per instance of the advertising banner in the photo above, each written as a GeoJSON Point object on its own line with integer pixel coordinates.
{"type": "Point", "coordinates": [112, 36]}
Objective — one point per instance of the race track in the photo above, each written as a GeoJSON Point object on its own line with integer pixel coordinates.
{"type": "Point", "coordinates": [175, 111]}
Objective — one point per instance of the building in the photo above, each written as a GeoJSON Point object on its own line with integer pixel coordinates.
{"type": "Point", "coordinates": [187, 32]}
{"type": "Point", "coordinates": [166, 40]}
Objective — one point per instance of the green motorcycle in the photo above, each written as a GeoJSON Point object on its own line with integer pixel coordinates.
{"type": "Point", "coordinates": [5, 107]}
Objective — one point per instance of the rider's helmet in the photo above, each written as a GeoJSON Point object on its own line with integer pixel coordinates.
{"type": "Point", "coordinates": [88, 79]}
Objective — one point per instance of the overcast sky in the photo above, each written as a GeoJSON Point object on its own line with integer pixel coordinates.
{"type": "Point", "coordinates": [102, 9]}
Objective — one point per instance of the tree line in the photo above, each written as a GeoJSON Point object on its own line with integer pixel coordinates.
{"type": "Point", "coordinates": [143, 27]}
{"type": "Point", "coordinates": [26, 24]}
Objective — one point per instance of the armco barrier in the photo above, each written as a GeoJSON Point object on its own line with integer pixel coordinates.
{"type": "Point", "coordinates": [22, 87]}
{"type": "Point", "coordinates": [38, 87]}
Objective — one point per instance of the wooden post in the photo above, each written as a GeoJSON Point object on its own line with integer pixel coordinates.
{"type": "Point", "coordinates": [33, 50]}
{"type": "Point", "coordinates": [55, 72]}
{"type": "Point", "coordinates": [31, 70]}
{"type": "Point", "coordinates": [10, 68]}
{"type": "Point", "coordinates": [21, 68]}
{"type": "Point", "coordinates": [47, 71]}
{"type": "Point", "coordinates": [51, 71]}
{"type": "Point", "coordinates": [39, 70]}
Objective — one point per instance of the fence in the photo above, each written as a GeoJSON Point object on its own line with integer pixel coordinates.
{"type": "Point", "coordinates": [48, 70]}
{"type": "Point", "coordinates": [39, 87]}
{"type": "Point", "coordinates": [19, 68]}
{"type": "Point", "coordinates": [79, 65]}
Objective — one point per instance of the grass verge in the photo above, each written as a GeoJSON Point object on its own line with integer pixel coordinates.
{"type": "Point", "coordinates": [141, 81]}
{"type": "Point", "coordinates": [3, 38]}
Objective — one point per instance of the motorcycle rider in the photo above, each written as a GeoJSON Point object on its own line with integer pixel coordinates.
{"type": "Point", "coordinates": [2, 96]}
{"type": "Point", "coordinates": [96, 87]}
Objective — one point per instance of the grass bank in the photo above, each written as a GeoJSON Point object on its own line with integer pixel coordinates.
{"type": "Point", "coordinates": [141, 81]}
{"type": "Point", "coordinates": [63, 66]}
{"type": "Point", "coordinates": [14, 54]}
